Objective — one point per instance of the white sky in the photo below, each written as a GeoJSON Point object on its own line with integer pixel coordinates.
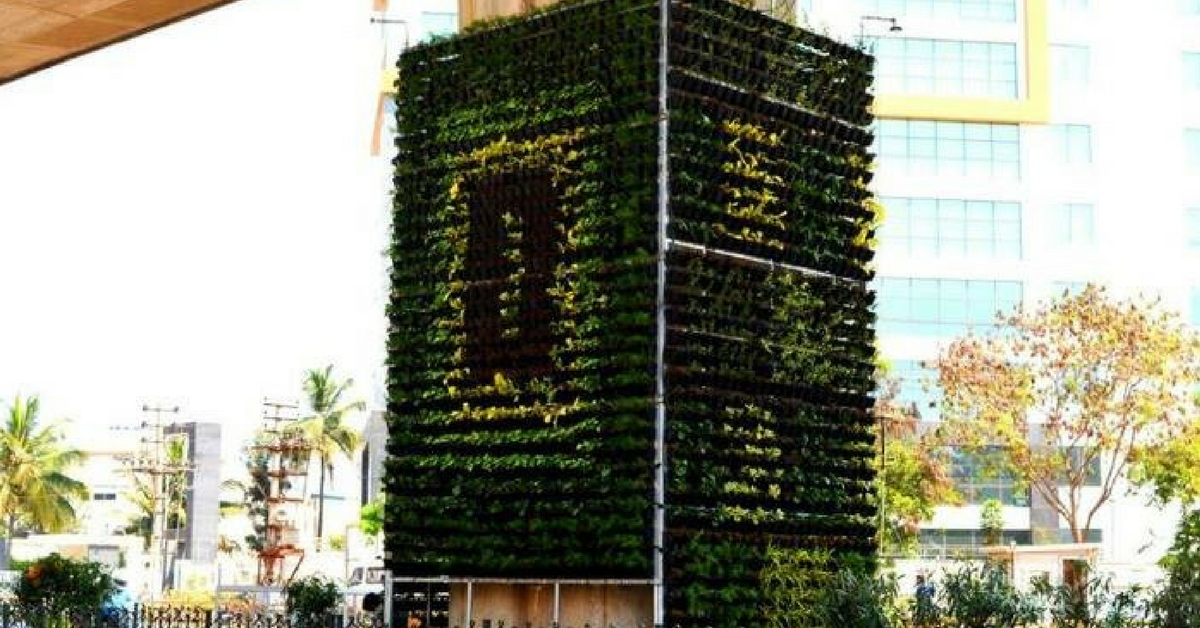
{"type": "Point", "coordinates": [193, 217]}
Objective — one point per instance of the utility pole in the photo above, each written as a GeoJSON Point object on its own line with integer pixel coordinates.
{"type": "Point", "coordinates": [153, 462]}
{"type": "Point", "coordinates": [286, 458]}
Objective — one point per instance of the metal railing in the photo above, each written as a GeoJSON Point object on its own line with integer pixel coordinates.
{"type": "Point", "coordinates": [16, 616]}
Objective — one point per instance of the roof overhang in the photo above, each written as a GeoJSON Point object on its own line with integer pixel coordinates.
{"type": "Point", "coordinates": [36, 34]}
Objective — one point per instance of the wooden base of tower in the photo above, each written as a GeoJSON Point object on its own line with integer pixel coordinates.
{"type": "Point", "coordinates": [568, 604]}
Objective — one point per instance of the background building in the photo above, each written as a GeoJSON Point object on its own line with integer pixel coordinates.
{"type": "Point", "coordinates": [1025, 148]}
{"type": "Point", "coordinates": [197, 539]}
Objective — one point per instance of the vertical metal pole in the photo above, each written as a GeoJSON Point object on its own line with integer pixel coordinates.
{"type": "Point", "coordinates": [470, 604]}
{"type": "Point", "coordinates": [660, 407]}
{"type": "Point", "coordinates": [882, 482]}
{"type": "Point", "coordinates": [557, 605]}
{"type": "Point", "coordinates": [387, 597]}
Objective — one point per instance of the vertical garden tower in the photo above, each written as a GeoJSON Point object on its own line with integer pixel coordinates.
{"type": "Point", "coordinates": [631, 332]}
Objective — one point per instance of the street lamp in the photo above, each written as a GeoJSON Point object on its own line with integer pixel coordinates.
{"type": "Point", "coordinates": [384, 22]}
{"type": "Point", "coordinates": [893, 25]}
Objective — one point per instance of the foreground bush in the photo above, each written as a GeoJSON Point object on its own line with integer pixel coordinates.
{"type": "Point", "coordinates": [310, 599]}
{"type": "Point", "coordinates": [860, 600]}
{"type": "Point", "coordinates": [1095, 604]}
{"type": "Point", "coordinates": [56, 585]}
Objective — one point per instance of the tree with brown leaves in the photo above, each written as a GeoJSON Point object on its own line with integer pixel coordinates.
{"type": "Point", "coordinates": [1085, 382]}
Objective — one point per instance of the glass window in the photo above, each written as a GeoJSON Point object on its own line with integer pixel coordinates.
{"type": "Point", "coordinates": [1071, 66]}
{"type": "Point", "coordinates": [942, 307]}
{"type": "Point", "coordinates": [1071, 5]}
{"type": "Point", "coordinates": [1190, 7]}
{"type": "Point", "coordinates": [1191, 224]}
{"type": "Point", "coordinates": [972, 10]}
{"type": "Point", "coordinates": [929, 148]}
{"type": "Point", "coordinates": [1194, 311]}
{"type": "Point", "coordinates": [951, 228]}
{"type": "Point", "coordinates": [437, 23]}
{"type": "Point", "coordinates": [1072, 143]}
{"type": "Point", "coordinates": [1191, 71]}
{"type": "Point", "coordinates": [979, 480]}
{"type": "Point", "coordinates": [936, 66]}
{"type": "Point", "coordinates": [936, 542]}
{"type": "Point", "coordinates": [1074, 224]}
{"type": "Point", "coordinates": [1191, 147]}
{"type": "Point", "coordinates": [917, 387]}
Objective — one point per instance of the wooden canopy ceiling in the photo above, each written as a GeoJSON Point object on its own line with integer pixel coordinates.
{"type": "Point", "coordinates": [35, 34]}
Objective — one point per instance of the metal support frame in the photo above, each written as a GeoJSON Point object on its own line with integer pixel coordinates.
{"type": "Point", "coordinates": [387, 597]}
{"type": "Point", "coordinates": [660, 297]}
{"type": "Point", "coordinates": [470, 603]}
{"type": "Point", "coordinates": [470, 582]}
{"type": "Point", "coordinates": [557, 618]}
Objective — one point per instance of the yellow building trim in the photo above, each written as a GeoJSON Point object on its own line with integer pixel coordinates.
{"type": "Point", "coordinates": [1032, 107]}
{"type": "Point", "coordinates": [387, 80]}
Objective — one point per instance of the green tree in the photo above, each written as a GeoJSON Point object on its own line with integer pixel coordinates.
{"type": "Point", "coordinates": [1176, 602]}
{"type": "Point", "coordinates": [912, 478]}
{"type": "Point", "coordinates": [991, 521]}
{"type": "Point", "coordinates": [324, 430]}
{"type": "Point", "coordinates": [53, 585]}
{"type": "Point", "coordinates": [370, 517]}
{"type": "Point", "coordinates": [310, 600]}
{"type": "Point", "coordinates": [1172, 470]}
{"type": "Point", "coordinates": [1065, 396]}
{"type": "Point", "coordinates": [35, 489]}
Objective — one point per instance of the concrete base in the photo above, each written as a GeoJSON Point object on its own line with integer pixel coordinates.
{"type": "Point", "coordinates": [600, 606]}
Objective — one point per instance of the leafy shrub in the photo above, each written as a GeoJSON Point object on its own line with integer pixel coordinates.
{"type": "Point", "coordinates": [859, 600]}
{"type": "Point", "coordinates": [1093, 605]}
{"type": "Point", "coordinates": [982, 597]}
{"type": "Point", "coordinates": [1176, 603]}
{"type": "Point", "coordinates": [56, 585]}
{"type": "Point", "coordinates": [792, 582]}
{"type": "Point", "coordinates": [309, 599]}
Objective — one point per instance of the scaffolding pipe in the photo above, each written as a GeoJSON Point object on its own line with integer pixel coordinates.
{"type": "Point", "coordinates": [660, 407]}
{"type": "Point", "coordinates": [470, 602]}
{"type": "Point", "coordinates": [388, 585]}
{"type": "Point", "coordinates": [557, 604]}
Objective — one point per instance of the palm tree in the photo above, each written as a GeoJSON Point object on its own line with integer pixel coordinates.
{"type": "Point", "coordinates": [34, 487]}
{"type": "Point", "coordinates": [324, 429]}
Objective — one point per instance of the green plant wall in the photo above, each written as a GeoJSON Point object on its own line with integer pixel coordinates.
{"type": "Point", "coordinates": [522, 352]}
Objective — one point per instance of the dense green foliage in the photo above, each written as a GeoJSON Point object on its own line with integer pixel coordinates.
{"type": "Point", "coordinates": [1091, 604]}
{"type": "Point", "coordinates": [523, 343]}
{"type": "Point", "coordinates": [981, 596]}
{"type": "Point", "coordinates": [54, 585]}
{"type": "Point", "coordinates": [859, 599]}
{"type": "Point", "coordinates": [1177, 603]}
{"type": "Point", "coordinates": [370, 516]}
{"type": "Point", "coordinates": [310, 599]}
{"type": "Point", "coordinates": [520, 356]}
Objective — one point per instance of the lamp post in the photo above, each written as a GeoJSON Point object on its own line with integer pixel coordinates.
{"type": "Point", "coordinates": [388, 21]}
{"type": "Point", "coordinates": [893, 25]}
